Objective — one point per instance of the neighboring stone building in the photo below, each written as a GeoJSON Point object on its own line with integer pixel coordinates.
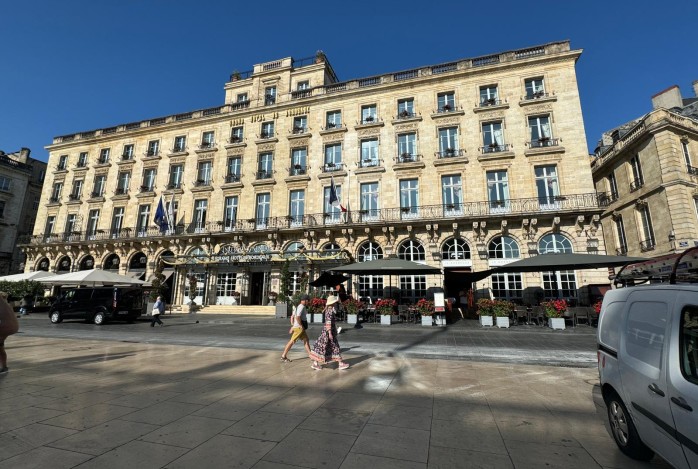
{"type": "Point", "coordinates": [647, 173]}
{"type": "Point", "coordinates": [21, 178]}
{"type": "Point", "coordinates": [463, 165]}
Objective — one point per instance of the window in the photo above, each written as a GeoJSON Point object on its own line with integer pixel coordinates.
{"type": "Point", "coordinates": [296, 208]}
{"type": "Point", "coordinates": [498, 191]}
{"type": "Point", "coordinates": [263, 210]}
{"type": "Point", "coordinates": [492, 137]}
{"type": "Point", "coordinates": [37, 202]}
{"type": "Point", "coordinates": [648, 243]}
{"type": "Point", "coordinates": [153, 148]}
{"type": "Point", "coordinates": [104, 155]}
{"type": "Point", "coordinates": [128, 152]}
{"type": "Point", "coordinates": [203, 173]}
{"type": "Point", "coordinates": [369, 114]}
{"type": "Point", "coordinates": [234, 169]}
{"type": "Point", "coordinates": [407, 147]}
{"type": "Point", "coordinates": [409, 198]}
{"type": "Point", "coordinates": [270, 95]}
{"type": "Point", "coordinates": [200, 209]}
{"type": "Point", "coordinates": [5, 184]}
{"type": "Point", "coordinates": [171, 207]}
{"type": "Point", "coordinates": [448, 142]}
{"type": "Point", "coordinates": [333, 157]}
{"type": "Point", "coordinates": [56, 191]}
{"type": "Point", "coordinates": [143, 220]}
{"type": "Point", "coordinates": [241, 98]}
{"type": "Point", "coordinates": [298, 161]}
{"type": "Point", "coordinates": [405, 108]}
{"type": "Point", "coordinates": [332, 214]}
{"type": "Point", "coordinates": [333, 119]}
{"type": "Point", "coordinates": [613, 186]}
{"type": "Point", "coordinates": [300, 124]}
{"type": "Point", "coordinates": [62, 162]}
{"type": "Point", "coordinates": [123, 182]}
{"type": "Point", "coordinates": [636, 170]}
{"type": "Point", "coordinates": [644, 337]}
{"type": "Point", "coordinates": [267, 130]}
{"type": "Point", "coordinates": [92, 223]}
{"type": "Point", "coordinates": [149, 179]}
{"type": "Point", "coordinates": [50, 224]}
{"type": "Point", "coordinates": [620, 236]}
{"type": "Point", "coordinates": [180, 144]}
{"type": "Point", "coordinates": [539, 127]}
{"type": "Point", "coordinates": [370, 286]}
{"type": "Point", "coordinates": [77, 189]}
{"type": "Point", "coordinates": [534, 88]}
{"type": "Point", "coordinates": [303, 85]}
{"type": "Point", "coordinates": [507, 287]}
{"type": "Point", "coordinates": [100, 183]}
{"type": "Point", "coordinates": [70, 223]}
{"type": "Point", "coordinates": [687, 159]}
{"type": "Point", "coordinates": [489, 95]}
{"type": "Point", "coordinates": [455, 249]}
{"type": "Point", "coordinates": [236, 134]}
{"type": "Point", "coordinates": [547, 186]}
{"type": "Point", "coordinates": [265, 166]}
{"type": "Point", "coordinates": [117, 221]}
{"type": "Point", "coordinates": [369, 153]}
{"type": "Point", "coordinates": [370, 201]}
{"type": "Point", "coordinates": [446, 102]}
{"type": "Point", "coordinates": [175, 179]}
{"type": "Point", "coordinates": [554, 243]}
{"type": "Point", "coordinates": [82, 159]}
{"type": "Point", "coordinates": [413, 287]}
{"type": "Point", "coordinates": [452, 195]}
{"type": "Point", "coordinates": [689, 344]}
{"type": "Point", "coordinates": [207, 140]}
{"type": "Point", "coordinates": [562, 283]}
{"type": "Point", "coordinates": [225, 284]}
{"type": "Point", "coordinates": [231, 213]}
{"type": "Point", "coordinates": [503, 247]}
{"type": "Point", "coordinates": [2, 209]}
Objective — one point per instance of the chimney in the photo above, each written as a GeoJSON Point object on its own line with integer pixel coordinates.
{"type": "Point", "coordinates": [24, 154]}
{"type": "Point", "coordinates": [695, 88]}
{"type": "Point", "coordinates": [670, 97]}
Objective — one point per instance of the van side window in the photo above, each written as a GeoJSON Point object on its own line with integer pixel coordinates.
{"type": "Point", "coordinates": [82, 294]}
{"type": "Point", "coordinates": [645, 331]}
{"type": "Point", "coordinates": [689, 343]}
{"type": "Point", "coordinates": [103, 294]}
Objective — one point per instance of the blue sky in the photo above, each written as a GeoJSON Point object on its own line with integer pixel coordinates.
{"type": "Point", "coordinates": [71, 65]}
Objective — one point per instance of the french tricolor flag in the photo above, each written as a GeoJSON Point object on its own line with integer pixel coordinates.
{"type": "Point", "coordinates": [334, 200]}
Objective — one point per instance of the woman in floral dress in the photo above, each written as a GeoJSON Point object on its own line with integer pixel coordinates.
{"type": "Point", "coordinates": [326, 348]}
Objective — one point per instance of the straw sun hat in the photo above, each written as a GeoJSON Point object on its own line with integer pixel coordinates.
{"type": "Point", "coordinates": [332, 300]}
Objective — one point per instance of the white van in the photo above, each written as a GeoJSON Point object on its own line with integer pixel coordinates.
{"type": "Point", "coordinates": [648, 359]}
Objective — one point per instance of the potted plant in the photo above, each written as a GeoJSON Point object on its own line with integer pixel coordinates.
{"type": "Point", "coordinates": [485, 309]}
{"type": "Point", "coordinates": [315, 308]}
{"type": "Point", "coordinates": [554, 311]}
{"type": "Point", "coordinates": [236, 75]}
{"type": "Point", "coordinates": [236, 297]}
{"type": "Point", "coordinates": [386, 307]}
{"type": "Point", "coordinates": [446, 107]}
{"type": "Point", "coordinates": [320, 57]}
{"type": "Point", "coordinates": [272, 295]}
{"type": "Point", "coordinates": [352, 307]}
{"type": "Point", "coordinates": [502, 310]}
{"type": "Point", "coordinates": [426, 311]}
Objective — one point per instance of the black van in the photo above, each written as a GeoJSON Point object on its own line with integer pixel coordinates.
{"type": "Point", "coordinates": [98, 304]}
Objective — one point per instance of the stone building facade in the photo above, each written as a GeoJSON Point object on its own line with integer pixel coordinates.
{"type": "Point", "coordinates": [463, 165]}
{"type": "Point", "coordinates": [21, 179]}
{"type": "Point", "coordinates": [647, 174]}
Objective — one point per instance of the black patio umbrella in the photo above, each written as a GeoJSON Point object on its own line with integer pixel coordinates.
{"type": "Point", "coordinates": [329, 279]}
{"type": "Point", "coordinates": [389, 266]}
{"type": "Point", "coordinates": [565, 261]}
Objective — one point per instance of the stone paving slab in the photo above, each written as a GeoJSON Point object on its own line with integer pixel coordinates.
{"type": "Point", "coordinates": [232, 407]}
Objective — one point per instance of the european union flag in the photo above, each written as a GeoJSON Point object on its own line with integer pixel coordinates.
{"type": "Point", "coordinates": [160, 216]}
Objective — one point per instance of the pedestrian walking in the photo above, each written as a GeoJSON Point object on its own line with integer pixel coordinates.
{"type": "Point", "coordinates": [23, 306]}
{"type": "Point", "coordinates": [8, 326]}
{"type": "Point", "coordinates": [158, 309]}
{"type": "Point", "coordinates": [326, 348]}
{"type": "Point", "coordinates": [299, 324]}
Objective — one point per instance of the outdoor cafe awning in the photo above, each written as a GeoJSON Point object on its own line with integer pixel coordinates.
{"type": "Point", "coordinates": [390, 266]}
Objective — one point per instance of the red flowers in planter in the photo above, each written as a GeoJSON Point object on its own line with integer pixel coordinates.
{"type": "Point", "coordinates": [425, 307]}
{"type": "Point", "coordinates": [554, 308]}
{"type": "Point", "coordinates": [386, 306]}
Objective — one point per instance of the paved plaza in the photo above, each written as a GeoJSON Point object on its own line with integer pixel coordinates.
{"type": "Point", "coordinates": [87, 403]}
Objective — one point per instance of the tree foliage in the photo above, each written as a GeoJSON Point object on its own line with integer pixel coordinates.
{"type": "Point", "coordinates": [18, 290]}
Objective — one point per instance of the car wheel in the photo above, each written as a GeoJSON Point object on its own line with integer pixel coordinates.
{"type": "Point", "coordinates": [624, 431]}
{"type": "Point", "coordinates": [99, 318]}
{"type": "Point", "coordinates": [56, 317]}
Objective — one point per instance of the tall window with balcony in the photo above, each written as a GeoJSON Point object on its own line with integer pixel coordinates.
{"type": "Point", "coordinates": [547, 186]}
{"type": "Point", "coordinates": [498, 191]}
{"type": "Point", "coordinates": [333, 157]}
{"type": "Point", "coordinates": [636, 171]}
{"type": "Point", "coordinates": [203, 173]}
{"type": "Point", "coordinates": [56, 192]}
{"type": "Point", "coordinates": [82, 159]}
{"type": "Point", "coordinates": [409, 198]}
{"type": "Point", "coordinates": [262, 210]}
{"type": "Point", "coordinates": [332, 214]}
{"type": "Point", "coordinates": [117, 221]}
{"type": "Point", "coordinates": [234, 169]}
{"type": "Point", "coordinates": [369, 153]}
{"type": "Point", "coordinates": [175, 179]}
{"type": "Point", "coordinates": [153, 148]}
{"type": "Point", "coordinates": [236, 134]}
{"type": "Point", "coordinates": [407, 147]}
{"type": "Point", "coordinates": [149, 175]}
{"type": "Point", "coordinates": [446, 102]}
{"type": "Point", "coordinates": [612, 186]}
{"type": "Point", "coordinates": [413, 287]}
{"type": "Point", "coordinates": [534, 87]}
{"type": "Point", "coordinates": [128, 152]}
{"type": "Point", "coordinates": [452, 195]}
{"type": "Point", "coordinates": [92, 223]}
{"type": "Point", "coordinates": [208, 140]}
{"type": "Point", "coordinates": [489, 95]}
{"type": "Point", "coordinates": [370, 201]}
{"type": "Point", "coordinates": [300, 125]}
{"type": "Point", "coordinates": [539, 129]}
{"type": "Point", "coordinates": [230, 214]}
{"type": "Point", "coordinates": [369, 114]}
{"type": "Point", "coordinates": [267, 130]}
{"type": "Point", "coordinates": [180, 144]}
{"type": "Point", "coordinates": [265, 166]}
{"type": "Point", "coordinates": [492, 137]}
{"type": "Point", "coordinates": [123, 182]}
{"type": "Point", "coordinates": [687, 158]}
{"type": "Point", "coordinates": [143, 220]}
{"type": "Point", "coordinates": [269, 95]}
{"type": "Point", "coordinates": [370, 286]}
{"type": "Point", "coordinates": [333, 120]}
{"type": "Point", "coordinates": [561, 283]}
{"type": "Point", "coordinates": [648, 242]}
{"type": "Point", "coordinates": [508, 286]}
{"type": "Point", "coordinates": [299, 161]}
{"type": "Point", "coordinates": [448, 142]}
{"type": "Point", "coordinates": [104, 156]}
{"type": "Point", "coordinates": [296, 209]}
{"type": "Point", "coordinates": [100, 185]}
{"type": "Point", "coordinates": [621, 240]}
{"type": "Point", "coordinates": [172, 208]}
{"type": "Point", "coordinates": [50, 225]}
{"type": "Point", "coordinates": [76, 193]}
{"type": "Point", "coordinates": [241, 98]}
{"type": "Point", "coordinates": [199, 219]}
{"type": "Point", "coordinates": [242, 101]}
{"type": "Point", "coordinates": [71, 227]}
{"type": "Point", "coordinates": [62, 163]}
{"type": "Point", "coordinates": [405, 108]}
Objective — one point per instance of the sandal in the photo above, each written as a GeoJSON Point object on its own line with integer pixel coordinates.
{"type": "Point", "coordinates": [285, 359]}
{"type": "Point", "coordinates": [343, 366]}
{"type": "Point", "coordinates": [315, 366]}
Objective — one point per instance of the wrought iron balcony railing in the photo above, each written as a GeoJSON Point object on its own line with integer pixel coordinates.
{"type": "Point", "coordinates": [207, 145]}
{"type": "Point", "coordinates": [647, 245]}
{"type": "Point", "coordinates": [405, 115]}
{"type": "Point", "coordinates": [147, 189]}
{"type": "Point", "coordinates": [490, 102]}
{"type": "Point", "coordinates": [449, 153]}
{"type": "Point", "coordinates": [233, 177]}
{"type": "Point", "coordinates": [235, 139]}
{"type": "Point", "coordinates": [202, 183]}
{"type": "Point", "coordinates": [495, 148]}
{"type": "Point", "coordinates": [369, 163]}
{"type": "Point", "coordinates": [297, 170]}
{"type": "Point", "coordinates": [174, 185]}
{"type": "Point", "coordinates": [331, 167]}
{"type": "Point", "coordinates": [446, 108]}
{"type": "Point", "coordinates": [536, 95]}
{"type": "Point", "coordinates": [299, 129]}
{"type": "Point", "coordinates": [333, 126]}
{"type": "Point", "coordinates": [152, 153]}
{"type": "Point", "coordinates": [636, 184]}
{"type": "Point", "coordinates": [544, 142]}
{"type": "Point", "coordinates": [407, 158]}
{"type": "Point", "coordinates": [74, 197]}
{"type": "Point", "coordinates": [264, 175]}
{"type": "Point", "coordinates": [607, 198]}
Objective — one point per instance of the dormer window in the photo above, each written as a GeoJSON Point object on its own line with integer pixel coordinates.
{"type": "Point", "coordinates": [153, 148]}
{"type": "Point", "coordinates": [270, 95]}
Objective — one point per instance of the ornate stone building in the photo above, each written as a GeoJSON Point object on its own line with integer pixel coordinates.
{"type": "Point", "coordinates": [647, 176]}
{"type": "Point", "coordinates": [462, 165]}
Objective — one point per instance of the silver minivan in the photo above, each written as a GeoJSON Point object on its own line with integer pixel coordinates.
{"type": "Point", "coordinates": [648, 360]}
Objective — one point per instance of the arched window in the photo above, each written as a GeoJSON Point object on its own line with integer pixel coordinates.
{"type": "Point", "coordinates": [370, 286]}
{"type": "Point", "coordinates": [43, 264]}
{"type": "Point", "coordinates": [87, 263]}
{"type": "Point", "coordinates": [561, 283]}
{"type": "Point", "coordinates": [197, 252]}
{"type": "Point", "coordinates": [138, 261]}
{"type": "Point", "coordinates": [412, 287]}
{"type": "Point", "coordinates": [503, 247]}
{"type": "Point", "coordinates": [455, 249]}
{"type": "Point", "coordinates": [63, 264]}
{"type": "Point", "coordinates": [112, 262]}
{"type": "Point", "coordinates": [259, 248]}
{"type": "Point", "coordinates": [411, 251]}
{"type": "Point", "coordinates": [369, 251]}
{"type": "Point", "coordinates": [554, 242]}
{"type": "Point", "coordinates": [294, 249]}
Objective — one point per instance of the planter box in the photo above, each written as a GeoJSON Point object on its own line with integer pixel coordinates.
{"type": "Point", "coordinates": [486, 321]}
{"type": "Point", "coordinates": [556, 323]}
{"type": "Point", "coordinates": [352, 318]}
{"type": "Point", "coordinates": [440, 319]}
{"type": "Point", "coordinates": [503, 321]}
{"type": "Point", "coordinates": [316, 318]}
{"type": "Point", "coordinates": [427, 321]}
{"type": "Point", "coordinates": [281, 310]}
{"type": "Point", "coordinates": [385, 319]}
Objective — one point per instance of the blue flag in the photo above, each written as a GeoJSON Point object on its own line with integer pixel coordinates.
{"type": "Point", "coordinates": [160, 216]}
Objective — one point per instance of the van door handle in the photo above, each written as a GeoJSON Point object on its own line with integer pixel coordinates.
{"type": "Point", "coordinates": [681, 402]}
{"type": "Point", "coordinates": [655, 389]}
